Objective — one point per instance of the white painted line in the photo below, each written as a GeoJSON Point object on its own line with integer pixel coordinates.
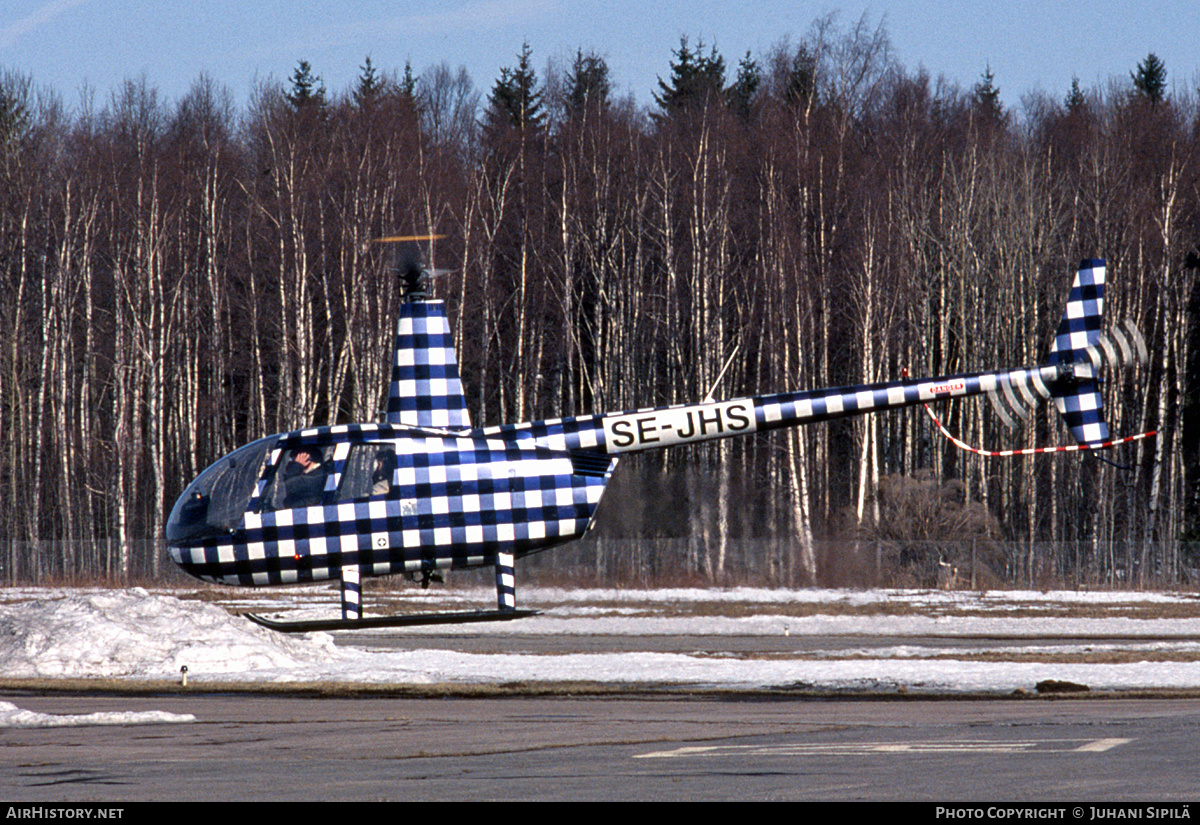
{"type": "Point", "coordinates": [1101, 745]}
{"type": "Point", "coordinates": [950, 746]}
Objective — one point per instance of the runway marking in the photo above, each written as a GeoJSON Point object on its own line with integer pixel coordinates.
{"type": "Point", "coordinates": [1100, 745]}
{"type": "Point", "coordinates": [950, 746]}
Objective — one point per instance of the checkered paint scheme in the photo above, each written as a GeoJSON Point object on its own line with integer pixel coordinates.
{"type": "Point", "coordinates": [468, 498]}
{"type": "Point", "coordinates": [506, 588]}
{"type": "Point", "coordinates": [426, 390]}
{"type": "Point", "coordinates": [351, 592]}
{"type": "Point", "coordinates": [455, 501]}
{"type": "Point", "coordinates": [460, 497]}
{"type": "Point", "coordinates": [456, 497]}
{"type": "Point", "coordinates": [1078, 398]}
{"type": "Point", "coordinates": [659, 427]}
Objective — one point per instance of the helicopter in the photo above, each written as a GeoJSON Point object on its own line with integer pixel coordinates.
{"type": "Point", "coordinates": [424, 491]}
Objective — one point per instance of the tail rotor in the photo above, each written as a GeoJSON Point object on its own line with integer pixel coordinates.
{"type": "Point", "coordinates": [1013, 410]}
{"type": "Point", "coordinates": [1122, 345]}
{"type": "Point", "coordinates": [1071, 373]}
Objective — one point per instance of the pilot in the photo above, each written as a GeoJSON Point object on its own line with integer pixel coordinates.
{"type": "Point", "coordinates": [385, 465]}
{"type": "Point", "coordinates": [305, 478]}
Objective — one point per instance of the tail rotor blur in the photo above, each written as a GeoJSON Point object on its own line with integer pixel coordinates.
{"type": "Point", "coordinates": [1071, 375]}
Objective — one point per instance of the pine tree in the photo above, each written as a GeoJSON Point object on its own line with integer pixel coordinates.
{"type": "Point", "coordinates": [516, 100]}
{"type": "Point", "coordinates": [744, 89]}
{"type": "Point", "coordinates": [801, 84]}
{"type": "Point", "coordinates": [587, 82]}
{"type": "Point", "coordinates": [1150, 79]}
{"type": "Point", "coordinates": [986, 95]}
{"type": "Point", "coordinates": [14, 112]}
{"type": "Point", "coordinates": [369, 84]}
{"type": "Point", "coordinates": [307, 89]}
{"type": "Point", "coordinates": [408, 85]}
{"type": "Point", "coordinates": [696, 79]}
{"type": "Point", "coordinates": [1075, 100]}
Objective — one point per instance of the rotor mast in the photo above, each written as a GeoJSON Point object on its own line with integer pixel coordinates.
{"type": "Point", "coordinates": [414, 276]}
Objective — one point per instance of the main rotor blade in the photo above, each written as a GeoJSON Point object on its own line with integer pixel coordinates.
{"type": "Point", "coordinates": [407, 238]}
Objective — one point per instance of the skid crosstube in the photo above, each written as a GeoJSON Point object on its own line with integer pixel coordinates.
{"type": "Point", "coordinates": [414, 620]}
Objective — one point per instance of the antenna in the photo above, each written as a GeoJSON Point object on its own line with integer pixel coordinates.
{"type": "Point", "coordinates": [712, 390]}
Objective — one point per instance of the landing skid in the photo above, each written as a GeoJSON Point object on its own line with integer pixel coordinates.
{"type": "Point", "coordinates": [352, 618]}
{"type": "Point", "coordinates": [415, 620]}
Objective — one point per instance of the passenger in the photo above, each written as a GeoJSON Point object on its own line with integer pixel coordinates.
{"type": "Point", "coordinates": [385, 465]}
{"type": "Point", "coordinates": [304, 478]}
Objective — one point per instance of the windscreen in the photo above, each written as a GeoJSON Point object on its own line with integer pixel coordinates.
{"type": "Point", "coordinates": [213, 504]}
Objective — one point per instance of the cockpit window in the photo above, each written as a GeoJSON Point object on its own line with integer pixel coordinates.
{"type": "Point", "coordinates": [369, 471]}
{"type": "Point", "coordinates": [213, 505]}
{"type": "Point", "coordinates": [299, 480]}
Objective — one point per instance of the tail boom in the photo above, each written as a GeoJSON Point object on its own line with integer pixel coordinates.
{"type": "Point", "coordinates": [661, 427]}
{"type": "Point", "coordinates": [1069, 377]}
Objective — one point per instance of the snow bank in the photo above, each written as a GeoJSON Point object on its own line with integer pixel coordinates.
{"type": "Point", "coordinates": [115, 633]}
{"type": "Point", "coordinates": [133, 634]}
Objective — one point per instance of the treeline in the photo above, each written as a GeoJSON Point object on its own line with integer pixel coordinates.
{"type": "Point", "coordinates": [181, 277]}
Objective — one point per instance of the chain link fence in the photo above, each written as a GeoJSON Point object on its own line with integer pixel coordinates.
{"type": "Point", "coordinates": [693, 561]}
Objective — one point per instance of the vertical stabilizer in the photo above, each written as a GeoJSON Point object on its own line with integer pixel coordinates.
{"type": "Point", "coordinates": [1076, 392]}
{"type": "Point", "coordinates": [426, 390]}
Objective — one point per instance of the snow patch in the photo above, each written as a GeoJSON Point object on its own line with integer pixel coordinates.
{"type": "Point", "coordinates": [12, 716]}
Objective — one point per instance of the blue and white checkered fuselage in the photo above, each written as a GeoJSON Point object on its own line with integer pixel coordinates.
{"type": "Point", "coordinates": [424, 491]}
{"type": "Point", "coordinates": [457, 499]}
{"type": "Point", "coordinates": [454, 500]}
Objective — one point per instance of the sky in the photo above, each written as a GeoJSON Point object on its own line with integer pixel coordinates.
{"type": "Point", "coordinates": [67, 45]}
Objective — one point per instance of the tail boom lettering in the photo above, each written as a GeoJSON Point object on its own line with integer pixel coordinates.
{"type": "Point", "coordinates": [678, 425]}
